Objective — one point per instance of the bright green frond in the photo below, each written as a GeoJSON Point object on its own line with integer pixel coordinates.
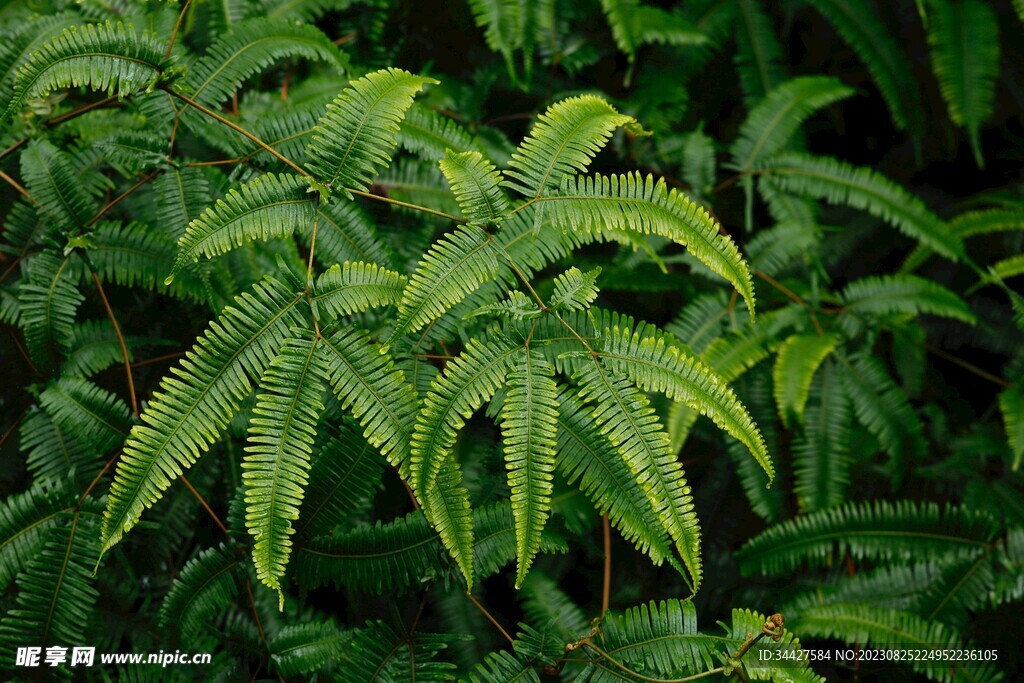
{"type": "Point", "coordinates": [352, 141]}
{"type": "Point", "coordinates": [198, 400]}
{"type": "Point", "coordinates": [467, 382]}
{"type": "Point", "coordinates": [964, 40]}
{"type": "Point", "coordinates": [562, 143]}
{"type": "Point", "coordinates": [348, 288]}
{"type": "Point", "coordinates": [797, 361]}
{"type": "Point", "coordinates": [529, 425]}
{"type": "Point", "coordinates": [109, 57]}
{"type": "Point", "coordinates": [869, 531]}
{"type": "Point", "coordinates": [624, 416]}
{"type": "Point", "coordinates": [643, 205]}
{"type": "Point", "coordinates": [269, 206]}
{"type": "Point", "coordinates": [862, 188]}
{"type": "Point", "coordinates": [276, 466]}
{"type": "Point", "coordinates": [475, 182]}
{"type": "Point", "coordinates": [430, 134]}
{"type": "Point", "coordinates": [574, 290]}
{"type": "Point", "coordinates": [454, 266]}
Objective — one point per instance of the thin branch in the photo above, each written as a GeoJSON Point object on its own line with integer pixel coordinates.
{"type": "Point", "coordinates": [174, 33]}
{"type": "Point", "coordinates": [606, 587]}
{"type": "Point", "coordinates": [120, 341]}
{"type": "Point", "coordinates": [489, 617]}
{"type": "Point", "coordinates": [97, 478]}
{"type": "Point", "coordinates": [206, 506]}
{"type": "Point", "coordinates": [417, 207]}
{"type": "Point", "coordinates": [17, 186]}
{"type": "Point", "coordinates": [117, 200]}
{"type": "Point", "coordinates": [150, 361]}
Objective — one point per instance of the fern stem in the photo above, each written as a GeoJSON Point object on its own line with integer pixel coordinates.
{"type": "Point", "coordinates": [177, 27]}
{"type": "Point", "coordinates": [489, 617]}
{"type": "Point", "coordinates": [120, 341]}
{"type": "Point", "coordinates": [607, 585]}
{"type": "Point", "coordinates": [627, 670]}
{"type": "Point", "coordinates": [238, 129]}
{"type": "Point", "coordinates": [10, 430]}
{"type": "Point", "coordinates": [67, 116]}
{"type": "Point", "coordinates": [96, 479]}
{"type": "Point", "coordinates": [416, 207]}
{"type": "Point", "coordinates": [117, 200]}
{"type": "Point", "coordinates": [206, 506]}
{"type": "Point", "coordinates": [17, 186]}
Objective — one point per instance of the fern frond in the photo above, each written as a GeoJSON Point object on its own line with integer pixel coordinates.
{"type": "Point", "coordinates": [503, 667]}
{"type": "Point", "coordinates": [475, 182]}
{"type": "Point", "coordinates": [26, 520]}
{"type": "Point", "coordinates": [344, 233]}
{"type": "Point", "coordinates": [109, 57]}
{"type": "Point", "coordinates": [54, 184]}
{"type": "Point", "coordinates": [624, 416]}
{"type": "Point", "coordinates": [861, 27]}
{"type": "Point", "coordinates": [1011, 405]}
{"type": "Point", "coordinates": [562, 143]}
{"type": "Point", "coordinates": [862, 188]}
{"type": "Point", "coordinates": [467, 382]}
{"type": "Point", "coordinates": [544, 602]}
{"type": "Point", "coordinates": [454, 266]}
{"type": "Point", "coordinates": [964, 40]}
{"type": "Point", "coordinates": [181, 194]}
{"type": "Point", "coordinates": [378, 652]}
{"type": "Point", "coordinates": [771, 124]}
{"type": "Point", "coordinates": [348, 288]}
{"type": "Point", "coordinates": [205, 587]}
{"type": "Point", "coordinates": [276, 464]}
{"type": "Point", "coordinates": [269, 206]}
{"type": "Point", "coordinates": [49, 301]}
{"type": "Point", "coordinates": [646, 206]}
{"type": "Point", "coordinates": [529, 425]}
{"type": "Point", "coordinates": [758, 51]}
{"type": "Point", "coordinates": [634, 24]}
{"type": "Point", "coordinates": [654, 363]}
{"type": "Point", "coordinates": [51, 453]}
{"type": "Point", "coordinates": [904, 294]}
{"type": "Point", "coordinates": [197, 402]}
{"type": "Point", "coordinates": [797, 362]}
{"type": "Point", "coordinates": [822, 452]}
{"type": "Point", "coordinates": [430, 135]}
{"type": "Point", "coordinates": [303, 648]}
{"type": "Point", "coordinates": [574, 290]}
{"type": "Point", "coordinates": [353, 139]}
{"type": "Point", "coordinates": [376, 393]}
{"type": "Point", "coordinates": [93, 415]}
{"type": "Point", "coordinates": [869, 531]}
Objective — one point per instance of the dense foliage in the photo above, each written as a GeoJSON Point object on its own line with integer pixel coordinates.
{"type": "Point", "coordinates": [374, 340]}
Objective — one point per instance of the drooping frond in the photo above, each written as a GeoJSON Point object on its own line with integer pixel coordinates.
{"type": "Point", "coordinates": [494, 539]}
{"type": "Point", "coordinates": [197, 402]}
{"type": "Point", "coordinates": [645, 206]}
{"type": "Point", "coordinates": [430, 135]}
{"type": "Point", "coordinates": [376, 393]}
{"type": "Point", "coordinates": [529, 425]}
{"type": "Point", "coordinates": [51, 453]}
{"type": "Point", "coordinates": [634, 24]}
{"type": "Point", "coordinates": [25, 522]}
{"type": "Point", "coordinates": [861, 27]}
{"type": "Point", "coordinates": [562, 143]}
{"type": "Point", "coordinates": [206, 585]}
{"type": "Point", "coordinates": [545, 602]}
{"type": "Point", "coordinates": [475, 182]}
{"type": "Point", "coordinates": [269, 206]}
{"type": "Point", "coordinates": [276, 465]}
{"type": "Point", "coordinates": [109, 57]}
{"type": "Point", "coordinates": [869, 531]}
{"type": "Point", "coordinates": [54, 184]}
{"type": "Point", "coordinates": [93, 415]}
{"type": "Point", "coordinates": [584, 455]}
{"type": "Point", "coordinates": [49, 300]}
{"type": "Point", "coordinates": [353, 140]}
{"type": "Point", "coordinates": [758, 51]}
{"type": "Point", "coordinates": [964, 40]}
{"type": "Point", "coordinates": [348, 288]}
{"type": "Point", "coordinates": [624, 416]}
{"type": "Point", "coordinates": [305, 647]}
{"type": "Point", "coordinates": [797, 362]}
{"type": "Point", "coordinates": [770, 125]}
{"type": "Point", "coordinates": [454, 266]}
{"type": "Point", "coordinates": [467, 382]}
{"type": "Point", "coordinates": [1011, 404]}
{"type": "Point", "coordinates": [822, 451]}
{"type": "Point", "coordinates": [377, 652]}
{"type": "Point", "coordinates": [654, 362]}
{"type": "Point", "coordinates": [251, 47]}
{"type": "Point", "coordinates": [574, 290]}
{"type": "Point", "coordinates": [862, 188]}
{"type": "Point", "coordinates": [883, 295]}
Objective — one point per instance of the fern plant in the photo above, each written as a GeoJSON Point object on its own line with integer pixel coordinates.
{"type": "Point", "coordinates": [312, 337]}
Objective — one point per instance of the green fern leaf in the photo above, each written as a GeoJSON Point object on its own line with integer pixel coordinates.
{"type": "Point", "coordinates": [348, 288]}
{"type": "Point", "coordinates": [798, 360]}
{"type": "Point", "coordinates": [862, 188]}
{"type": "Point", "coordinates": [181, 194]}
{"type": "Point", "coordinates": [454, 266]}
{"type": "Point", "coordinates": [51, 453]}
{"type": "Point", "coordinates": [430, 135]}
{"type": "Point", "coordinates": [269, 206]}
{"type": "Point", "coordinates": [205, 587]}
{"type": "Point", "coordinates": [904, 294]}
{"type": "Point", "coordinates": [52, 181]}
{"type": "Point", "coordinates": [49, 301]}
{"type": "Point", "coordinates": [574, 290]}
{"type": "Point", "coordinates": [964, 40]}
{"type": "Point", "coordinates": [822, 451]}
{"type": "Point", "coordinates": [869, 531]}
{"type": "Point", "coordinates": [562, 143]}
{"type": "Point", "coordinates": [503, 667]}
{"type": "Point", "coordinates": [529, 425]}
{"type": "Point", "coordinates": [276, 465]}
{"type": "Point", "coordinates": [758, 51]}
{"type": "Point", "coordinates": [645, 206]}
{"type": "Point", "coordinates": [379, 653]}
{"type": "Point", "coordinates": [95, 416]}
{"type": "Point", "coordinates": [26, 520]}
{"type": "Point", "coordinates": [1011, 404]}
{"type": "Point", "coordinates": [624, 416]}
{"type": "Point", "coordinates": [475, 182]}
{"type": "Point", "coordinates": [352, 141]}
{"type": "Point", "coordinates": [109, 57]}
{"type": "Point", "coordinates": [197, 403]}
{"type": "Point", "coordinates": [304, 648]}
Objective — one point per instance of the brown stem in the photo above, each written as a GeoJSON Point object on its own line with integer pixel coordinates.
{"type": "Point", "coordinates": [117, 200]}
{"type": "Point", "coordinates": [174, 33]}
{"type": "Point", "coordinates": [17, 186]}
{"type": "Point", "coordinates": [489, 617]}
{"type": "Point", "coordinates": [206, 506]}
{"type": "Point", "coordinates": [120, 341]}
{"type": "Point", "coordinates": [417, 207]}
{"type": "Point", "coordinates": [97, 478]}
{"type": "Point", "coordinates": [606, 588]}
